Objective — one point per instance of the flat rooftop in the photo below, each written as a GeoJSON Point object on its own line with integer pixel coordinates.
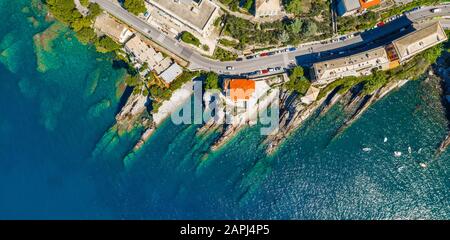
{"type": "Point", "coordinates": [420, 40]}
{"type": "Point", "coordinates": [187, 11]}
{"type": "Point", "coordinates": [350, 60]}
{"type": "Point", "coordinates": [351, 4]}
{"type": "Point", "coordinates": [109, 25]}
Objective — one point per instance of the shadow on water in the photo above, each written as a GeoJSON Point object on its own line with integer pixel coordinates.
{"type": "Point", "coordinates": [445, 84]}
{"type": "Point", "coordinates": [124, 98]}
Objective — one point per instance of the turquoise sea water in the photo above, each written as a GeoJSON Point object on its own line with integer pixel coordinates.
{"type": "Point", "coordinates": [58, 98]}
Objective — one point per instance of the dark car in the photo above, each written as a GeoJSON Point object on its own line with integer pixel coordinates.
{"type": "Point", "coordinates": [239, 59]}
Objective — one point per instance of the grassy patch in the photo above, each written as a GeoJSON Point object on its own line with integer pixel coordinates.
{"type": "Point", "coordinates": [224, 55]}
{"type": "Point", "coordinates": [187, 37]}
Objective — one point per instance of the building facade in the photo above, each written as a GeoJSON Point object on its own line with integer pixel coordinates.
{"type": "Point", "coordinates": [381, 58]}
{"type": "Point", "coordinates": [355, 65]}
{"type": "Point", "coordinates": [418, 41]}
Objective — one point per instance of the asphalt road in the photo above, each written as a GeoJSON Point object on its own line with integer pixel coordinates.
{"type": "Point", "coordinates": [304, 55]}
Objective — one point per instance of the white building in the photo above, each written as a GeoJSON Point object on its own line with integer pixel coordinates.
{"type": "Point", "coordinates": [171, 73]}
{"type": "Point", "coordinates": [142, 52]}
{"type": "Point", "coordinates": [419, 40]}
{"type": "Point", "coordinates": [197, 15]}
{"type": "Point", "coordinates": [355, 65]}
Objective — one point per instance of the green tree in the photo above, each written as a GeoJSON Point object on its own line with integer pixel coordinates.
{"type": "Point", "coordinates": [296, 26]}
{"type": "Point", "coordinates": [64, 10]}
{"type": "Point", "coordinates": [86, 35]}
{"type": "Point", "coordinates": [284, 36]}
{"type": "Point", "coordinates": [187, 37]}
{"type": "Point", "coordinates": [212, 81]}
{"type": "Point", "coordinates": [295, 7]}
{"type": "Point", "coordinates": [84, 2]}
{"type": "Point", "coordinates": [297, 81]}
{"type": "Point", "coordinates": [135, 6]}
{"type": "Point", "coordinates": [106, 44]}
{"type": "Point", "coordinates": [94, 10]}
{"type": "Point", "coordinates": [132, 81]}
{"type": "Point", "coordinates": [309, 28]}
{"type": "Point", "coordinates": [374, 82]}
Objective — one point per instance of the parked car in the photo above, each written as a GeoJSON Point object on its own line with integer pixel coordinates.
{"type": "Point", "coordinates": [249, 57]}
{"type": "Point", "coordinates": [271, 69]}
{"type": "Point", "coordinates": [263, 54]}
{"type": "Point", "coordinates": [380, 24]}
{"type": "Point", "coordinates": [278, 69]}
{"type": "Point", "coordinates": [239, 59]}
{"type": "Point", "coordinates": [264, 71]}
{"type": "Point", "coordinates": [436, 10]}
{"type": "Point", "coordinates": [292, 49]}
{"type": "Point", "coordinates": [230, 67]}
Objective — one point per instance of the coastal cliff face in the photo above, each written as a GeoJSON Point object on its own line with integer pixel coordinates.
{"type": "Point", "coordinates": [294, 114]}
{"type": "Point", "coordinates": [443, 70]}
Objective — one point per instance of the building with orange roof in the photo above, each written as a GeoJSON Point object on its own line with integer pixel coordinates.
{"type": "Point", "coordinates": [352, 7]}
{"type": "Point", "coordinates": [365, 4]}
{"type": "Point", "coordinates": [239, 89]}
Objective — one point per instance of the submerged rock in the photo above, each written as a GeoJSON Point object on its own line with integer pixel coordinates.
{"type": "Point", "coordinates": [44, 42]}
{"type": "Point", "coordinates": [97, 109]}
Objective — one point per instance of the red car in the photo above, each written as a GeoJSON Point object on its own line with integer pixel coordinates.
{"type": "Point", "coordinates": [380, 24]}
{"type": "Point", "coordinates": [264, 54]}
{"type": "Point", "coordinates": [265, 71]}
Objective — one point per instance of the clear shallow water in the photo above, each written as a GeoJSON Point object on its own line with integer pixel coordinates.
{"type": "Point", "coordinates": [59, 99]}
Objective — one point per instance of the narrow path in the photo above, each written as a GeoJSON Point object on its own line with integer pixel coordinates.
{"type": "Point", "coordinates": [82, 9]}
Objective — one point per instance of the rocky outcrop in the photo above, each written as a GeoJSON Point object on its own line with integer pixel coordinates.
{"type": "Point", "coordinates": [444, 73]}
{"type": "Point", "coordinates": [230, 130]}
{"type": "Point", "coordinates": [130, 114]}
{"type": "Point", "coordinates": [364, 102]}
{"type": "Point", "coordinates": [292, 115]}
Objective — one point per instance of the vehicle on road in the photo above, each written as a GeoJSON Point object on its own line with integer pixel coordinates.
{"type": "Point", "coordinates": [230, 67]}
{"type": "Point", "coordinates": [436, 10]}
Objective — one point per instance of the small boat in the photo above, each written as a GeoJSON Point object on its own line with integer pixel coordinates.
{"type": "Point", "coordinates": [420, 150]}
{"type": "Point", "coordinates": [385, 139]}
{"type": "Point", "coordinates": [397, 154]}
{"type": "Point", "coordinates": [409, 150]}
{"type": "Point", "coordinates": [366, 149]}
{"type": "Point", "coordinates": [423, 165]}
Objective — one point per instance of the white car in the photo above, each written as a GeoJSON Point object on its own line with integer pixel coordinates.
{"type": "Point", "coordinates": [436, 10]}
{"type": "Point", "coordinates": [230, 68]}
